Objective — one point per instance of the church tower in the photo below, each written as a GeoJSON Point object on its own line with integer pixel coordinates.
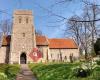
{"type": "Point", "coordinates": [22, 38]}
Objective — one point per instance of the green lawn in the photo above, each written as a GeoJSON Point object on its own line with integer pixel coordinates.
{"type": "Point", "coordinates": [8, 72]}
{"type": "Point", "coordinates": [61, 71]}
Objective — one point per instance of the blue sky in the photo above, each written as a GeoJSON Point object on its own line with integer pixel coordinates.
{"type": "Point", "coordinates": [42, 18]}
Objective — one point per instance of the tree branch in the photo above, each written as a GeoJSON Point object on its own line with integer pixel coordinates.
{"type": "Point", "coordinates": [85, 20]}
{"type": "Point", "coordinates": [49, 11]}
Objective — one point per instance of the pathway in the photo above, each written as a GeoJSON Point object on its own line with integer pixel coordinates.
{"type": "Point", "coordinates": [25, 73]}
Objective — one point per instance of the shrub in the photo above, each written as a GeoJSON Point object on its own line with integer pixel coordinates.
{"type": "Point", "coordinates": [97, 47]}
{"type": "Point", "coordinates": [9, 70]}
{"type": "Point", "coordinates": [3, 76]}
{"type": "Point", "coordinates": [98, 62]}
{"type": "Point", "coordinates": [80, 72]}
{"type": "Point", "coordinates": [61, 71]}
{"type": "Point", "coordinates": [66, 71]}
{"type": "Point", "coordinates": [3, 67]}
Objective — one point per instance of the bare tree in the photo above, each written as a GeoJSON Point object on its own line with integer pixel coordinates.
{"type": "Point", "coordinates": [87, 30]}
{"type": "Point", "coordinates": [6, 27]}
{"type": "Point", "coordinates": [78, 31]}
{"type": "Point", "coordinates": [39, 32]}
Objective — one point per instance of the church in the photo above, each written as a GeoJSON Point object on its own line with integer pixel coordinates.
{"type": "Point", "coordinates": [25, 46]}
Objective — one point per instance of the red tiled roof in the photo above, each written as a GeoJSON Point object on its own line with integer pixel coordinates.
{"type": "Point", "coordinates": [41, 40]}
{"type": "Point", "coordinates": [62, 43]}
{"type": "Point", "coordinates": [6, 40]}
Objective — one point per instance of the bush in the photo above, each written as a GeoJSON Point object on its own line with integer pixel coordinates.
{"type": "Point", "coordinates": [96, 73]}
{"type": "Point", "coordinates": [80, 72]}
{"type": "Point", "coordinates": [3, 67]}
{"type": "Point", "coordinates": [97, 47]}
{"type": "Point", "coordinates": [98, 62]}
{"type": "Point", "coordinates": [3, 76]}
{"type": "Point", "coordinates": [9, 70]}
{"type": "Point", "coordinates": [65, 71]}
{"type": "Point", "coordinates": [52, 71]}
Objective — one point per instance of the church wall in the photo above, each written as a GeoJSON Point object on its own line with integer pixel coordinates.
{"type": "Point", "coordinates": [45, 51]}
{"type": "Point", "coordinates": [54, 54]}
{"type": "Point", "coordinates": [2, 54]}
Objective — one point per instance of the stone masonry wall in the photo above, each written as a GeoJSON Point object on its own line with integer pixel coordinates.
{"type": "Point", "coordinates": [23, 36]}
{"type": "Point", "coordinates": [54, 54]}
{"type": "Point", "coordinates": [2, 54]}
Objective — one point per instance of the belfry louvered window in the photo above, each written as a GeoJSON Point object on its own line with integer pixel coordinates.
{"type": "Point", "coordinates": [20, 19]}
{"type": "Point", "coordinates": [26, 20]}
{"type": "Point", "coordinates": [23, 34]}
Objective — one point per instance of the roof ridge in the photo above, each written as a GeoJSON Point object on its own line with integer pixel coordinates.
{"type": "Point", "coordinates": [61, 38]}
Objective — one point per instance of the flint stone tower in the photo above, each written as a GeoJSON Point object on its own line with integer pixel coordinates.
{"type": "Point", "coordinates": [23, 37]}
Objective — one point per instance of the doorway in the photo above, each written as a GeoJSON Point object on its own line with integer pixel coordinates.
{"type": "Point", "coordinates": [23, 58]}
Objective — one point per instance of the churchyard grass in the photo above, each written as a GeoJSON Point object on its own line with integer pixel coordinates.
{"type": "Point", "coordinates": [60, 71]}
{"type": "Point", "coordinates": [8, 72]}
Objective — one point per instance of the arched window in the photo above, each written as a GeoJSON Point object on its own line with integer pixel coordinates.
{"type": "Point", "coordinates": [20, 19]}
{"type": "Point", "coordinates": [71, 57]}
{"type": "Point", "coordinates": [23, 34]}
{"type": "Point", "coordinates": [60, 57]}
{"type": "Point", "coordinates": [51, 55]}
{"type": "Point", "coordinates": [26, 20]}
{"type": "Point", "coordinates": [65, 58]}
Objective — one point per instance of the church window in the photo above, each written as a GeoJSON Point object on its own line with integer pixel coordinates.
{"type": "Point", "coordinates": [26, 20]}
{"type": "Point", "coordinates": [20, 20]}
{"type": "Point", "coordinates": [58, 56]}
{"type": "Point", "coordinates": [23, 34]}
{"type": "Point", "coordinates": [51, 55]}
{"type": "Point", "coordinates": [65, 57]}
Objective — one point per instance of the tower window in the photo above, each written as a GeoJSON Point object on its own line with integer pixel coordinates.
{"type": "Point", "coordinates": [20, 20]}
{"type": "Point", "coordinates": [26, 20]}
{"type": "Point", "coordinates": [23, 34]}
